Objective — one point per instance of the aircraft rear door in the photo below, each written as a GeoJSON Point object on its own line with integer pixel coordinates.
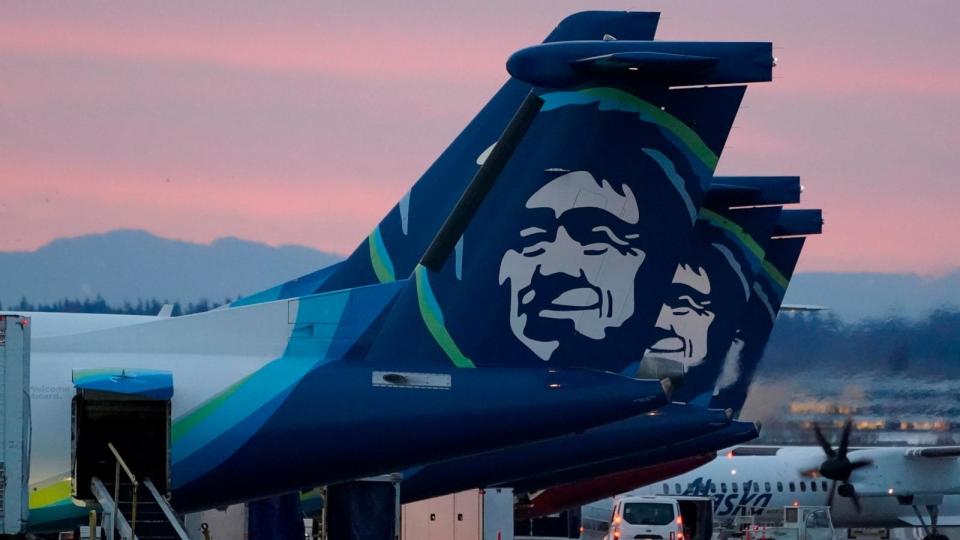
{"type": "Point", "coordinates": [126, 408]}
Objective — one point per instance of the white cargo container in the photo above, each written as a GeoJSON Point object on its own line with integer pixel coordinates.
{"type": "Point", "coordinates": [477, 514]}
{"type": "Point", "coordinates": [14, 423]}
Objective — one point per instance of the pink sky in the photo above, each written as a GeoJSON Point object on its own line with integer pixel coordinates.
{"type": "Point", "coordinates": [303, 123]}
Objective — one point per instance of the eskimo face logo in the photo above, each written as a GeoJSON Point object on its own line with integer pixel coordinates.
{"type": "Point", "coordinates": [685, 318]}
{"type": "Point", "coordinates": [576, 262]}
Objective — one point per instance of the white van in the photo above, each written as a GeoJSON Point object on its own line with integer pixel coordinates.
{"type": "Point", "coordinates": [661, 518]}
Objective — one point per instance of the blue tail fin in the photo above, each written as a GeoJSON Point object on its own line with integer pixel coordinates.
{"type": "Point", "coordinates": [562, 245]}
{"type": "Point", "coordinates": [703, 306]}
{"type": "Point", "coordinates": [747, 349]}
{"type": "Point", "coordinates": [398, 242]}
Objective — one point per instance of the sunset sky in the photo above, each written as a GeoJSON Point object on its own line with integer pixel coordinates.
{"type": "Point", "coordinates": [303, 123]}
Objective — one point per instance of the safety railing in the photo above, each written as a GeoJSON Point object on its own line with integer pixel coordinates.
{"type": "Point", "coordinates": [113, 521]}
{"type": "Point", "coordinates": [167, 510]}
{"type": "Point", "coordinates": [122, 465]}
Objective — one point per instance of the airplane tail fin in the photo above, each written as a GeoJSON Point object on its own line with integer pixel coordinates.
{"type": "Point", "coordinates": [709, 292]}
{"type": "Point", "coordinates": [397, 243]}
{"type": "Point", "coordinates": [746, 352]}
{"type": "Point", "coordinates": [605, 25]}
{"type": "Point", "coordinates": [560, 247]}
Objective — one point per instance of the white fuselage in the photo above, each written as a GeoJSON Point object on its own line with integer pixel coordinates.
{"type": "Point", "coordinates": [761, 486]}
{"type": "Point", "coordinates": [205, 354]}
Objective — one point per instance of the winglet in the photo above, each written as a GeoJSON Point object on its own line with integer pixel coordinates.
{"type": "Point", "coordinates": [165, 311]}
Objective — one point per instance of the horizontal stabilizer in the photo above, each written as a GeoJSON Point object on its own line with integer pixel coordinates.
{"type": "Point", "coordinates": [665, 63]}
{"type": "Point", "coordinates": [799, 223]}
{"type": "Point", "coordinates": [647, 61]}
{"type": "Point", "coordinates": [753, 190]}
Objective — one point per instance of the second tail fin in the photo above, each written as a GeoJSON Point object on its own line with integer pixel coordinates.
{"type": "Point", "coordinates": [706, 299]}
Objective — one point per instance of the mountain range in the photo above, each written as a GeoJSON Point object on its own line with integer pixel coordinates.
{"type": "Point", "coordinates": [127, 265]}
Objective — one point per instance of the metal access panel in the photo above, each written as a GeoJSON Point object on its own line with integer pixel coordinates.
{"type": "Point", "coordinates": [474, 514]}
{"type": "Point", "coordinates": [498, 514]}
{"type": "Point", "coordinates": [429, 519]}
{"type": "Point", "coordinates": [14, 423]}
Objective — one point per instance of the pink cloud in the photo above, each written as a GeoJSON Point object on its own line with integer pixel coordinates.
{"type": "Point", "coordinates": [395, 54]}
{"type": "Point", "coordinates": [755, 144]}
{"type": "Point", "coordinates": [304, 123]}
{"type": "Point", "coordinates": [856, 78]}
{"type": "Point", "coordinates": [54, 203]}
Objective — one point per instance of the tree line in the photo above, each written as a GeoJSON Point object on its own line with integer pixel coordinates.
{"type": "Point", "coordinates": [100, 305]}
{"type": "Point", "coordinates": [929, 346]}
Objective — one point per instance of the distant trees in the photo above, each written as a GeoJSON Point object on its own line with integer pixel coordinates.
{"type": "Point", "coordinates": [929, 346]}
{"type": "Point", "coordinates": [99, 305]}
{"type": "Point", "coordinates": [800, 342]}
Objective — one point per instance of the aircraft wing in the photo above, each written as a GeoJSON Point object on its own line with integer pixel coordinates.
{"type": "Point", "coordinates": [933, 452]}
{"type": "Point", "coordinates": [926, 471]}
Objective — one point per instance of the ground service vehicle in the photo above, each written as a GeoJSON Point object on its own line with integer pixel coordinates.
{"type": "Point", "coordinates": [799, 523]}
{"type": "Point", "coordinates": [662, 518]}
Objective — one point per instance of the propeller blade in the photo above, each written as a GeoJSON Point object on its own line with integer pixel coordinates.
{"type": "Point", "coordinates": [822, 440]}
{"type": "Point", "coordinates": [845, 438]}
{"type": "Point", "coordinates": [833, 490]}
{"type": "Point", "coordinates": [855, 499]}
{"type": "Point", "coordinates": [860, 463]}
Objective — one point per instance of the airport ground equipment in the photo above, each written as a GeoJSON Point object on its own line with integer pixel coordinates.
{"type": "Point", "coordinates": [15, 423]}
{"type": "Point", "coordinates": [133, 509]}
{"type": "Point", "coordinates": [365, 509]}
{"type": "Point", "coordinates": [662, 518]}
{"type": "Point", "coordinates": [121, 451]}
{"type": "Point", "coordinates": [476, 514]}
{"type": "Point", "coordinates": [799, 523]}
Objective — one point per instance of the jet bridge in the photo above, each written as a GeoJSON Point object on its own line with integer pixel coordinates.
{"type": "Point", "coordinates": [14, 423]}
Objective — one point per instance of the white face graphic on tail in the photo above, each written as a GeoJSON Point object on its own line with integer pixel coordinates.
{"type": "Point", "coordinates": [685, 318]}
{"type": "Point", "coordinates": [577, 261]}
